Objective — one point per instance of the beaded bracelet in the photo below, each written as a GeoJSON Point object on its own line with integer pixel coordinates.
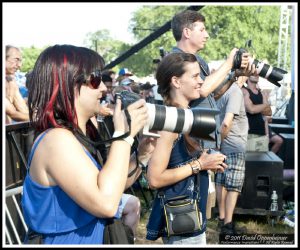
{"type": "Point", "coordinates": [200, 165]}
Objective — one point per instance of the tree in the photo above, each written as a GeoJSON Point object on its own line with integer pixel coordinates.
{"type": "Point", "coordinates": [102, 42]}
{"type": "Point", "coordinates": [232, 26]}
{"type": "Point", "coordinates": [228, 26]}
{"type": "Point", "coordinates": [146, 20]}
{"type": "Point", "coordinates": [30, 56]}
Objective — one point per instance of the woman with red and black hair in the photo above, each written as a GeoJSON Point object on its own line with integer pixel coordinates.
{"type": "Point", "coordinates": [67, 194]}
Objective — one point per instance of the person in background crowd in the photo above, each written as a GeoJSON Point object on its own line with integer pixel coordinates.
{"type": "Point", "coordinates": [123, 74]}
{"type": "Point", "coordinates": [234, 131]}
{"type": "Point", "coordinates": [147, 92]}
{"type": "Point", "coordinates": [111, 74]}
{"type": "Point", "coordinates": [16, 108]}
{"type": "Point", "coordinates": [256, 101]}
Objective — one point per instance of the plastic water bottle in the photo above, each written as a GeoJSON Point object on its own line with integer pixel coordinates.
{"type": "Point", "coordinates": [274, 201]}
{"type": "Point", "coordinates": [100, 118]}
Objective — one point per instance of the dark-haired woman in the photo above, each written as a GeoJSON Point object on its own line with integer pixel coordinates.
{"type": "Point", "coordinates": [177, 158]}
{"type": "Point", "coordinates": [67, 194]}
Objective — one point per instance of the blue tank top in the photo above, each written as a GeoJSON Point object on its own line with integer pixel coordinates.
{"type": "Point", "coordinates": [179, 156]}
{"type": "Point", "coordinates": [50, 211]}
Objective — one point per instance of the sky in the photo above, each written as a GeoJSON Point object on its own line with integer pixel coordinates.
{"type": "Point", "coordinates": [40, 24]}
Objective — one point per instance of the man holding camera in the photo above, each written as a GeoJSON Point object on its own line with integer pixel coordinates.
{"type": "Point", "coordinates": [189, 31]}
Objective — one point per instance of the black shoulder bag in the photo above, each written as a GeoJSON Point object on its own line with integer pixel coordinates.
{"type": "Point", "coordinates": [182, 215]}
{"type": "Point", "coordinates": [116, 232]}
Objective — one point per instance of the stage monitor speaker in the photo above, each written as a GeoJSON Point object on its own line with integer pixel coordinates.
{"type": "Point", "coordinates": [264, 173]}
{"type": "Point", "coordinates": [286, 151]}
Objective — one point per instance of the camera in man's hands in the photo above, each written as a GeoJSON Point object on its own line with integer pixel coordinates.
{"type": "Point", "coordinates": [272, 74]}
{"type": "Point", "coordinates": [198, 122]}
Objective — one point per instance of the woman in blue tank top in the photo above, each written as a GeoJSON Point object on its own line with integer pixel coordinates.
{"type": "Point", "coordinates": [67, 195]}
{"type": "Point", "coordinates": [176, 158]}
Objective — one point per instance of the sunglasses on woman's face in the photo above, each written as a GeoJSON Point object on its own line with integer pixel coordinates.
{"type": "Point", "coordinates": [95, 79]}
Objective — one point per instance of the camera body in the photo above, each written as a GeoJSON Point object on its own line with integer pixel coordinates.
{"type": "Point", "coordinates": [127, 98]}
{"type": "Point", "coordinates": [197, 121]}
{"type": "Point", "coordinates": [272, 74]}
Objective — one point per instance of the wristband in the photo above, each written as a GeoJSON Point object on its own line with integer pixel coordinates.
{"type": "Point", "coordinates": [117, 133]}
{"type": "Point", "coordinates": [129, 139]}
{"type": "Point", "coordinates": [141, 165]}
{"type": "Point", "coordinates": [144, 162]}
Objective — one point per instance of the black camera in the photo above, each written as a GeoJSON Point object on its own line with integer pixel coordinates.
{"type": "Point", "coordinates": [198, 122]}
{"type": "Point", "coordinates": [272, 74]}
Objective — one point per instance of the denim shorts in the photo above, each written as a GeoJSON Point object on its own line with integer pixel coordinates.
{"type": "Point", "coordinates": [122, 204]}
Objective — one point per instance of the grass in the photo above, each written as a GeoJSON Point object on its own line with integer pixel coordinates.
{"type": "Point", "coordinates": [254, 224]}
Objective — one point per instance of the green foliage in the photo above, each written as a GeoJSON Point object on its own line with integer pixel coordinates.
{"type": "Point", "coordinates": [232, 26]}
{"type": "Point", "coordinates": [228, 27]}
{"type": "Point", "coordinates": [30, 56]}
{"type": "Point", "coordinates": [144, 22]}
{"type": "Point", "coordinates": [102, 42]}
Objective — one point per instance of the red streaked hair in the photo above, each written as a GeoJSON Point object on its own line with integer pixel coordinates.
{"type": "Point", "coordinates": [57, 72]}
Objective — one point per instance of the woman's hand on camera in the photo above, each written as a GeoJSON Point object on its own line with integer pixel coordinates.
{"type": "Point", "coordinates": [138, 112]}
{"type": "Point", "coordinates": [213, 162]}
{"type": "Point", "coordinates": [119, 118]}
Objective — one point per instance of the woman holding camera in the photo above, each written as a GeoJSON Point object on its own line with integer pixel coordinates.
{"type": "Point", "coordinates": [67, 194]}
{"type": "Point", "coordinates": [178, 158]}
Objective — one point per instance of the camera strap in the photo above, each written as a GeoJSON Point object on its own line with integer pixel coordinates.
{"type": "Point", "coordinates": [81, 137]}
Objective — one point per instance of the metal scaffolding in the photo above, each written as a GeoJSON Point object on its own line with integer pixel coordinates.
{"type": "Point", "coordinates": [283, 36]}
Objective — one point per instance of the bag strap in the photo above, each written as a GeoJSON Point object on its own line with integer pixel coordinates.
{"type": "Point", "coordinates": [196, 196]}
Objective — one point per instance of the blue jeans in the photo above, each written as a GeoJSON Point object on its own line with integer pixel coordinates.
{"type": "Point", "coordinates": [181, 240]}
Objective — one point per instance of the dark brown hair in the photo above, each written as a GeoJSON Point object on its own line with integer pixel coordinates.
{"type": "Point", "coordinates": [171, 65]}
{"type": "Point", "coordinates": [183, 20]}
{"type": "Point", "coordinates": [174, 65]}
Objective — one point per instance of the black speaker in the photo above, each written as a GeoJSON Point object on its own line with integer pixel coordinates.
{"type": "Point", "coordinates": [264, 173]}
{"type": "Point", "coordinates": [280, 120]}
{"type": "Point", "coordinates": [282, 128]}
{"type": "Point", "coordinates": [286, 151]}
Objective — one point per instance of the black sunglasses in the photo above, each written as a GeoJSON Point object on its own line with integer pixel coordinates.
{"type": "Point", "coordinates": [95, 79]}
